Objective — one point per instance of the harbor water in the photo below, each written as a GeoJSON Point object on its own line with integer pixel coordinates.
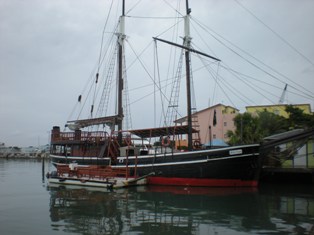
{"type": "Point", "coordinates": [29, 206]}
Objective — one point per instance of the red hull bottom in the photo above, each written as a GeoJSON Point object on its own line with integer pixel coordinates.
{"type": "Point", "coordinates": [202, 182]}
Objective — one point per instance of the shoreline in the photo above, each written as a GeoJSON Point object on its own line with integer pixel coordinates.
{"type": "Point", "coordinates": [24, 155]}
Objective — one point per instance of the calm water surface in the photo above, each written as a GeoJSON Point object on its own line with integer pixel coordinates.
{"type": "Point", "coordinates": [29, 206]}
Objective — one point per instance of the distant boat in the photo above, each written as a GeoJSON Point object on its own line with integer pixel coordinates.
{"type": "Point", "coordinates": [234, 166]}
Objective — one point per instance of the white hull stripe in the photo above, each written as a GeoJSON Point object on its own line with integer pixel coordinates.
{"type": "Point", "coordinates": [139, 157]}
{"type": "Point", "coordinates": [182, 163]}
{"type": "Point", "coordinates": [75, 158]}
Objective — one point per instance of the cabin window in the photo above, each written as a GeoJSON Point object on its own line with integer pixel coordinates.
{"type": "Point", "coordinates": [143, 152]}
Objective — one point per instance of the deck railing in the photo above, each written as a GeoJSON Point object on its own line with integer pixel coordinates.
{"type": "Point", "coordinates": [80, 136]}
{"type": "Point", "coordinates": [92, 172]}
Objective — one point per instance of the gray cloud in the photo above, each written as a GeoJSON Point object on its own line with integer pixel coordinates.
{"type": "Point", "coordinates": [48, 49]}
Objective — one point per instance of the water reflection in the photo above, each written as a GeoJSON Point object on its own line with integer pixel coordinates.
{"type": "Point", "coordinates": [176, 210]}
{"type": "Point", "coordinates": [290, 207]}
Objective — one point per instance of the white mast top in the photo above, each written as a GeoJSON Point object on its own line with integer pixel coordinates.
{"type": "Point", "coordinates": [187, 36]}
{"type": "Point", "coordinates": [122, 29]}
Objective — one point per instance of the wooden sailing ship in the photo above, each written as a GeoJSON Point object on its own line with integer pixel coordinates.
{"type": "Point", "coordinates": [129, 149]}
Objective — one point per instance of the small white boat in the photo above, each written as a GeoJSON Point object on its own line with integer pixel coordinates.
{"type": "Point", "coordinates": [94, 176]}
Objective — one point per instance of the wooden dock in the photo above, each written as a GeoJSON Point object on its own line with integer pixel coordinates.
{"type": "Point", "coordinates": [287, 175]}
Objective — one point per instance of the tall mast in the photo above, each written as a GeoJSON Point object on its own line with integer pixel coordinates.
{"type": "Point", "coordinates": [187, 47]}
{"type": "Point", "coordinates": [121, 37]}
{"type": "Point", "coordinates": [187, 43]}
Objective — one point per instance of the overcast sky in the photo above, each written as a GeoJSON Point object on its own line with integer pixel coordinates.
{"type": "Point", "coordinates": [49, 48]}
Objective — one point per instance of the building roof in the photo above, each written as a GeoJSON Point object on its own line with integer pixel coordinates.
{"type": "Point", "coordinates": [274, 105]}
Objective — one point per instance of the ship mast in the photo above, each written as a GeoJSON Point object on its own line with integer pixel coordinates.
{"type": "Point", "coordinates": [121, 37]}
{"type": "Point", "coordinates": [187, 47]}
{"type": "Point", "coordinates": [187, 43]}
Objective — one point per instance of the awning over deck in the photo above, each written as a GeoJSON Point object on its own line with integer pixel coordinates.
{"type": "Point", "coordinates": [162, 131]}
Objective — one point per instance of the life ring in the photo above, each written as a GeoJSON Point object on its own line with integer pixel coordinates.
{"type": "Point", "coordinates": [165, 141]}
{"type": "Point", "coordinates": [197, 144]}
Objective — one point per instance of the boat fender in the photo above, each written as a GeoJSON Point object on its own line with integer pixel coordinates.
{"type": "Point", "coordinates": [128, 140]}
{"type": "Point", "coordinates": [165, 141]}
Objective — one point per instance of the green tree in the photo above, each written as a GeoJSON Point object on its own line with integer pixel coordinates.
{"type": "Point", "coordinates": [299, 119]}
{"type": "Point", "coordinates": [246, 129]}
{"type": "Point", "coordinates": [252, 129]}
{"type": "Point", "coordinates": [270, 123]}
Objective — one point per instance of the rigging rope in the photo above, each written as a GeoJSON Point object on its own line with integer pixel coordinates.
{"type": "Point", "coordinates": [102, 36]}
{"type": "Point", "coordinates": [99, 60]}
{"type": "Point", "coordinates": [207, 29]}
{"type": "Point", "coordinates": [275, 33]}
{"type": "Point", "coordinates": [161, 98]}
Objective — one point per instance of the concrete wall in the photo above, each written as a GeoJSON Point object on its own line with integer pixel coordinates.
{"type": "Point", "coordinates": [224, 122]}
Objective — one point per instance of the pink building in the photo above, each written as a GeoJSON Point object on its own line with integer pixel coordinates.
{"type": "Point", "coordinates": [213, 122]}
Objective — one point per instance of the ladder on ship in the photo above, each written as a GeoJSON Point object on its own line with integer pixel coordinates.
{"type": "Point", "coordinates": [173, 105]}
{"type": "Point", "coordinates": [174, 97]}
{"type": "Point", "coordinates": [196, 139]}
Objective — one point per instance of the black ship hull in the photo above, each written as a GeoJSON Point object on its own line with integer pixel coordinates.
{"type": "Point", "coordinates": [225, 167]}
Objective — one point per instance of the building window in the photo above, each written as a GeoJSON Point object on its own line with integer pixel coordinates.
{"type": "Point", "coordinates": [214, 136]}
{"type": "Point", "coordinates": [225, 123]}
{"type": "Point", "coordinates": [276, 111]}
